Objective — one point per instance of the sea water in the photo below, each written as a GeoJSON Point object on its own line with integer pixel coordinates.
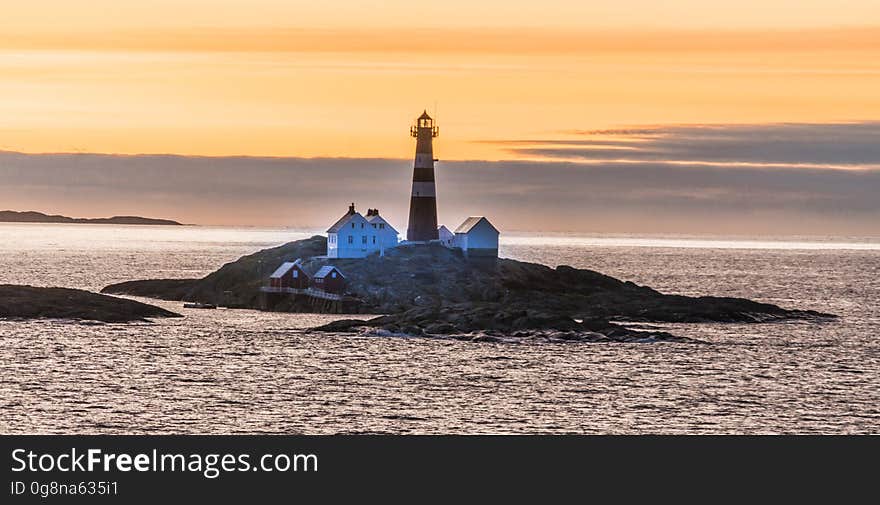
{"type": "Point", "coordinates": [243, 371]}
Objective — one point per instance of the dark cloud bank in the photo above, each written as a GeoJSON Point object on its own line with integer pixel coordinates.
{"type": "Point", "coordinates": [842, 145]}
{"type": "Point", "coordinates": [783, 179]}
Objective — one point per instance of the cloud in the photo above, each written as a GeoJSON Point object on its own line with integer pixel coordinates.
{"type": "Point", "coordinates": [448, 40]}
{"type": "Point", "coordinates": [778, 179]}
{"type": "Point", "coordinates": [832, 145]}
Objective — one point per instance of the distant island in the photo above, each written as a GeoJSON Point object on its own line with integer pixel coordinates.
{"type": "Point", "coordinates": [11, 216]}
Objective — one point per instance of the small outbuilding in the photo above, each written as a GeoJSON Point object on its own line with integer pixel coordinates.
{"type": "Point", "coordinates": [290, 275]}
{"type": "Point", "coordinates": [330, 280]}
{"type": "Point", "coordinates": [447, 238]}
{"type": "Point", "coordinates": [476, 237]}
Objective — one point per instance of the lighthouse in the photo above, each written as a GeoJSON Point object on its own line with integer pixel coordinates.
{"type": "Point", "coordinates": [423, 202]}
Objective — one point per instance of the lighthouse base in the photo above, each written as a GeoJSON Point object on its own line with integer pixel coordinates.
{"type": "Point", "coordinates": [422, 219]}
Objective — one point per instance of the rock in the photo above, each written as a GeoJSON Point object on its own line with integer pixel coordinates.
{"type": "Point", "coordinates": [422, 301]}
{"type": "Point", "coordinates": [28, 302]}
{"type": "Point", "coordinates": [163, 289]}
{"type": "Point", "coordinates": [435, 290]}
{"type": "Point", "coordinates": [415, 331]}
{"type": "Point", "coordinates": [343, 325]}
{"type": "Point", "coordinates": [485, 338]}
{"type": "Point", "coordinates": [442, 329]}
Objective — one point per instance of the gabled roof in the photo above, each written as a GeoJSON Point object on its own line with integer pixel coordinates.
{"type": "Point", "coordinates": [343, 221]}
{"type": "Point", "coordinates": [376, 218]}
{"type": "Point", "coordinates": [472, 221]}
{"type": "Point", "coordinates": [325, 271]}
{"type": "Point", "coordinates": [425, 115]}
{"type": "Point", "coordinates": [443, 228]}
{"type": "Point", "coordinates": [284, 268]}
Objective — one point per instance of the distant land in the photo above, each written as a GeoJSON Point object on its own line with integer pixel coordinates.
{"type": "Point", "coordinates": [11, 216]}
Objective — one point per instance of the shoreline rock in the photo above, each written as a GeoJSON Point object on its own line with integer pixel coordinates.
{"type": "Point", "coordinates": [28, 302]}
{"type": "Point", "coordinates": [589, 332]}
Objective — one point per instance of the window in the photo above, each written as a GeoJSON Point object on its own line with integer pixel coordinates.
{"type": "Point", "coordinates": [362, 226]}
{"type": "Point", "coordinates": [374, 239]}
{"type": "Point", "coordinates": [374, 225]}
{"type": "Point", "coordinates": [351, 239]}
{"type": "Point", "coordinates": [295, 274]}
{"type": "Point", "coordinates": [352, 225]}
{"type": "Point", "coordinates": [363, 239]}
{"type": "Point", "coordinates": [381, 226]}
{"type": "Point", "coordinates": [333, 275]}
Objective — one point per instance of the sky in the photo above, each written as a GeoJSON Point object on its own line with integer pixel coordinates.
{"type": "Point", "coordinates": [743, 104]}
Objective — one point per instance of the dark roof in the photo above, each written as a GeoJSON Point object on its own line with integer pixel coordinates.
{"type": "Point", "coordinates": [325, 271]}
{"type": "Point", "coordinates": [425, 115]}
{"type": "Point", "coordinates": [472, 221]}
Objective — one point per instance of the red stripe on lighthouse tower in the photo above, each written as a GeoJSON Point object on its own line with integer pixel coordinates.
{"type": "Point", "coordinates": [423, 203]}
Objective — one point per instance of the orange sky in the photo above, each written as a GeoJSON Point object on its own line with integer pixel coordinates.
{"type": "Point", "coordinates": [281, 78]}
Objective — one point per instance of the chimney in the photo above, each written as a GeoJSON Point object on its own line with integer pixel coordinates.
{"type": "Point", "coordinates": [351, 209]}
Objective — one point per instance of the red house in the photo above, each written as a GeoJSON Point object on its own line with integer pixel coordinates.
{"type": "Point", "coordinates": [329, 279]}
{"type": "Point", "coordinates": [290, 275]}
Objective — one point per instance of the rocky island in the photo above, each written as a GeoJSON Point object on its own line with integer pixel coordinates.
{"type": "Point", "coordinates": [431, 290]}
{"type": "Point", "coordinates": [11, 216]}
{"type": "Point", "coordinates": [28, 302]}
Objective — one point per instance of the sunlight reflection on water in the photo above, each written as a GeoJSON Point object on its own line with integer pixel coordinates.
{"type": "Point", "coordinates": [241, 371]}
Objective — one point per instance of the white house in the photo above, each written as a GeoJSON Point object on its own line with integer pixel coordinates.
{"type": "Point", "coordinates": [477, 237]}
{"type": "Point", "coordinates": [447, 238]}
{"type": "Point", "coordinates": [354, 236]}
